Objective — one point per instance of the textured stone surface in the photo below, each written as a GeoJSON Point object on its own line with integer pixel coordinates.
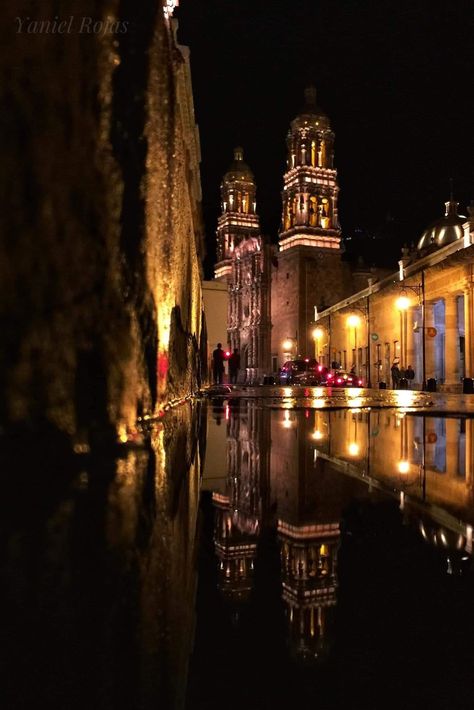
{"type": "Point", "coordinates": [99, 274]}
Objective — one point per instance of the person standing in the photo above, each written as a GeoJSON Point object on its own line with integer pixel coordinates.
{"type": "Point", "coordinates": [395, 370]}
{"type": "Point", "coordinates": [410, 375]}
{"type": "Point", "coordinates": [234, 366]}
{"type": "Point", "coordinates": [218, 357]}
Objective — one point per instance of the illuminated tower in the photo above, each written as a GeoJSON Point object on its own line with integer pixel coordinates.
{"type": "Point", "coordinates": [243, 262]}
{"type": "Point", "coordinates": [310, 183]}
{"type": "Point", "coordinates": [239, 219]}
{"type": "Point", "coordinates": [309, 273]}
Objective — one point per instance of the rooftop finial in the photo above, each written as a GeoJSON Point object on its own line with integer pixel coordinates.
{"type": "Point", "coordinates": [238, 153]}
{"type": "Point", "coordinates": [310, 95]}
{"type": "Point", "coordinates": [452, 205]}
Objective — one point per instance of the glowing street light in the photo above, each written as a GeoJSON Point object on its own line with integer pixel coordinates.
{"type": "Point", "coordinates": [353, 321]}
{"type": "Point", "coordinates": [353, 449]}
{"type": "Point", "coordinates": [402, 303]}
{"type": "Point", "coordinates": [318, 334]}
{"type": "Point", "coordinates": [404, 467]}
{"type": "Point", "coordinates": [287, 345]}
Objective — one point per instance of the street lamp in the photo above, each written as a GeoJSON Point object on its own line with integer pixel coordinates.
{"type": "Point", "coordinates": [353, 321]}
{"type": "Point", "coordinates": [318, 334]}
{"type": "Point", "coordinates": [403, 304]}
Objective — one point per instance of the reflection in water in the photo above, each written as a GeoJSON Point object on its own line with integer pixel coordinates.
{"type": "Point", "coordinates": [98, 574]}
{"type": "Point", "coordinates": [342, 493]}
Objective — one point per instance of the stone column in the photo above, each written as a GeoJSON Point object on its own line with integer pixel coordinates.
{"type": "Point", "coordinates": [468, 334]}
{"type": "Point", "coordinates": [429, 342]}
{"type": "Point", "coordinates": [451, 341]}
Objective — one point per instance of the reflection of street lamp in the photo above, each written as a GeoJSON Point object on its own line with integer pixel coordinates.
{"type": "Point", "coordinates": [353, 321]}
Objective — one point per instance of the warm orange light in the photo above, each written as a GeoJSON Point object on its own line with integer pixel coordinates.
{"type": "Point", "coordinates": [402, 303]}
{"type": "Point", "coordinates": [353, 449]}
{"type": "Point", "coordinates": [404, 466]}
{"type": "Point", "coordinates": [353, 321]}
{"type": "Point", "coordinates": [317, 435]}
{"type": "Point", "coordinates": [287, 345]}
{"type": "Point", "coordinates": [318, 333]}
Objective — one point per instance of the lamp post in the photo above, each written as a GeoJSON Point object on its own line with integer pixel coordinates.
{"type": "Point", "coordinates": [289, 347]}
{"type": "Point", "coordinates": [403, 303]}
{"type": "Point", "coordinates": [318, 334]}
{"type": "Point", "coordinates": [353, 322]}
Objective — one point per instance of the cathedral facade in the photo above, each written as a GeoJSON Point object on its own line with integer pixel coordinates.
{"type": "Point", "coordinates": [282, 296]}
{"type": "Point", "coordinates": [276, 291]}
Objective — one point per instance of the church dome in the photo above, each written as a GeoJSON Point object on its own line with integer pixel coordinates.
{"type": "Point", "coordinates": [311, 113]}
{"type": "Point", "coordinates": [445, 230]}
{"type": "Point", "coordinates": [238, 169]}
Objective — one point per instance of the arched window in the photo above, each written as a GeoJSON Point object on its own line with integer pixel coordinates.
{"type": "Point", "coordinates": [325, 213]}
{"type": "Point", "coordinates": [313, 153]}
{"type": "Point", "coordinates": [313, 211]}
{"type": "Point", "coordinates": [323, 154]}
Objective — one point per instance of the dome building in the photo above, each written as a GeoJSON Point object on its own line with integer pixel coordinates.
{"type": "Point", "coordinates": [443, 231]}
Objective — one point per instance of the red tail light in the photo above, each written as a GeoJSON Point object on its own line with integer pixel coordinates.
{"type": "Point", "coordinates": [360, 382]}
{"type": "Point", "coordinates": [339, 380]}
{"type": "Point", "coordinates": [330, 375]}
{"type": "Point", "coordinates": [320, 368]}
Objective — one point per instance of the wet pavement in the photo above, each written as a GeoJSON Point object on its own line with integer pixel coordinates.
{"type": "Point", "coordinates": [253, 551]}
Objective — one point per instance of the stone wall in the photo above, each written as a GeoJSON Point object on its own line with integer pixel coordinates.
{"type": "Point", "coordinates": [100, 299]}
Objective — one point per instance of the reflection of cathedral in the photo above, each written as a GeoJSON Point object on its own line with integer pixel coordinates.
{"type": "Point", "coordinates": [296, 472]}
{"type": "Point", "coordinates": [239, 509]}
{"type": "Point", "coordinates": [309, 581]}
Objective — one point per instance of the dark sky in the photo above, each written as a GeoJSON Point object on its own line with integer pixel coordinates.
{"type": "Point", "coordinates": [394, 77]}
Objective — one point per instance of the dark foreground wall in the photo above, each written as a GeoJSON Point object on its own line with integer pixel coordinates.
{"type": "Point", "coordinates": [100, 299]}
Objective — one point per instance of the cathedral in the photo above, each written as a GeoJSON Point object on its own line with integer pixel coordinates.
{"type": "Point", "coordinates": [299, 298]}
{"type": "Point", "coordinates": [276, 292]}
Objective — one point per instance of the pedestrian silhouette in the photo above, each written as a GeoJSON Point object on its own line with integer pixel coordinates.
{"type": "Point", "coordinates": [218, 357]}
{"type": "Point", "coordinates": [234, 366]}
{"type": "Point", "coordinates": [396, 374]}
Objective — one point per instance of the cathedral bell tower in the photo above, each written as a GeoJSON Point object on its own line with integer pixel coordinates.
{"type": "Point", "coordinates": [309, 274]}
{"type": "Point", "coordinates": [243, 263]}
{"type": "Point", "coordinates": [310, 183]}
{"type": "Point", "coordinates": [239, 218]}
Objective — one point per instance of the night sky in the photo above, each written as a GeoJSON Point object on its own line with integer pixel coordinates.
{"type": "Point", "coordinates": [395, 79]}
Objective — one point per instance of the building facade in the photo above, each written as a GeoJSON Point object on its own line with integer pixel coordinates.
{"type": "Point", "coordinates": [274, 291]}
{"type": "Point", "coordinates": [421, 315]}
{"type": "Point", "coordinates": [300, 298]}
{"type": "Point", "coordinates": [244, 265]}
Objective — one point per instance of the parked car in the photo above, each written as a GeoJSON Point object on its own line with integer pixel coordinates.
{"type": "Point", "coordinates": [307, 371]}
{"type": "Point", "coordinates": [341, 378]}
